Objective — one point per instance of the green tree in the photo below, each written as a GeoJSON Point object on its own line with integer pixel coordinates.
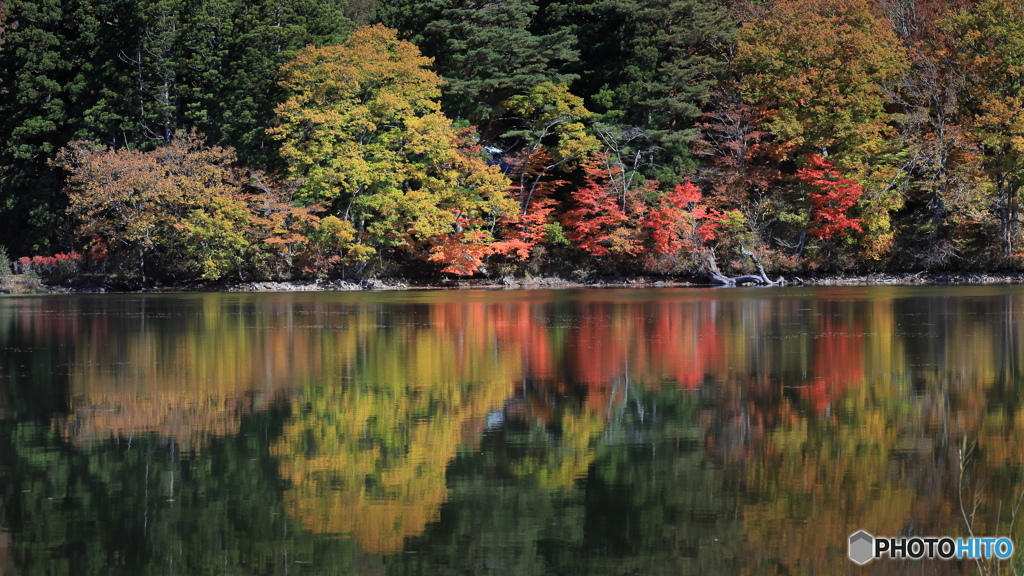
{"type": "Point", "coordinates": [488, 52]}
{"type": "Point", "coordinates": [231, 52]}
{"type": "Point", "coordinates": [650, 65]}
{"type": "Point", "coordinates": [150, 507]}
{"type": "Point", "coordinates": [364, 133]}
{"type": "Point", "coordinates": [3, 22]}
{"type": "Point", "coordinates": [49, 59]}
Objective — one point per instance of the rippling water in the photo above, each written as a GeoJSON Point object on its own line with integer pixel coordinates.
{"type": "Point", "coordinates": [731, 431]}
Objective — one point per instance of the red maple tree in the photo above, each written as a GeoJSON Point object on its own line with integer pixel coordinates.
{"type": "Point", "coordinates": [831, 200]}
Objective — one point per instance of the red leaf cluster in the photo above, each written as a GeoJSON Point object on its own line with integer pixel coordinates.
{"type": "Point", "coordinates": [831, 200]}
{"type": "Point", "coordinates": [58, 264]}
{"type": "Point", "coordinates": [637, 221]}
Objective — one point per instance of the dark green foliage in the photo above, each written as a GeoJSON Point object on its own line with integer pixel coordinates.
{"type": "Point", "coordinates": [47, 60]}
{"type": "Point", "coordinates": [489, 52]}
{"type": "Point", "coordinates": [410, 17]}
{"type": "Point", "coordinates": [650, 64]}
{"type": "Point", "coordinates": [485, 51]}
{"type": "Point", "coordinates": [147, 505]}
{"type": "Point", "coordinates": [651, 503]}
{"type": "Point", "coordinates": [233, 50]}
{"type": "Point", "coordinates": [133, 74]}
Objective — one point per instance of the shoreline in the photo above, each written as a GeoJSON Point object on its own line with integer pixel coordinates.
{"type": "Point", "coordinates": [17, 284]}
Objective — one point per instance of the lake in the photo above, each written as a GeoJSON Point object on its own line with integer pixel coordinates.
{"type": "Point", "coordinates": [675, 431]}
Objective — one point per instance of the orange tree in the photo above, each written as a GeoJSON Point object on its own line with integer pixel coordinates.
{"type": "Point", "coordinates": [181, 212]}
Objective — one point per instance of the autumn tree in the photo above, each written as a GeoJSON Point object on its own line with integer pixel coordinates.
{"type": "Point", "coordinates": [831, 199]}
{"type": "Point", "coordinates": [604, 220]}
{"type": "Point", "coordinates": [667, 231]}
{"type": "Point", "coordinates": [741, 174]}
{"type": "Point", "coordinates": [550, 135]}
{"type": "Point", "coordinates": [820, 69]}
{"type": "Point", "coordinates": [681, 230]}
{"type": "Point", "coordinates": [548, 139]}
{"type": "Point", "coordinates": [177, 212]}
{"type": "Point", "coordinates": [945, 182]}
{"type": "Point", "coordinates": [364, 133]}
{"type": "Point", "coordinates": [817, 73]}
{"type": "Point", "coordinates": [989, 43]}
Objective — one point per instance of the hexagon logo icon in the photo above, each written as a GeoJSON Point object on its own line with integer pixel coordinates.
{"type": "Point", "coordinates": [862, 547]}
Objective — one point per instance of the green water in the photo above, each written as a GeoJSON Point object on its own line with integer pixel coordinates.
{"type": "Point", "coordinates": [690, 431]}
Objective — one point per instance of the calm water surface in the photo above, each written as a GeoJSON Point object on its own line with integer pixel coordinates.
{"type": "Point", "coordinates": [737, 431]}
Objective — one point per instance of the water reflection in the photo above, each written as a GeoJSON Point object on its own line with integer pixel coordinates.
{"type": "Point", "coordinates": [677, 431]}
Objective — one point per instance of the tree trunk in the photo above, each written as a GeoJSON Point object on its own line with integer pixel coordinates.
{"type": "Point", "coordinates": [760, 278]}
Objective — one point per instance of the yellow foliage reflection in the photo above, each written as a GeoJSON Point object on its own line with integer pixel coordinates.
{"type": "Point", "coordinates": [821, 485]}
{"type": "Point", "coordinates": [816, 399]}
{"type": "Point", "coordinates": [369, 459]}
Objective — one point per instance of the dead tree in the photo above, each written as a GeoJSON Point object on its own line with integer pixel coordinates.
{"type": "Point", "coordinates": [760, 278]}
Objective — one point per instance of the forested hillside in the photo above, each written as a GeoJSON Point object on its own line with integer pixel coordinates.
{"type": "Point", "coordinates": [177, 140]}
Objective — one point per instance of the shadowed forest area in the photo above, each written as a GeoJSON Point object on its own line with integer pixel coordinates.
{"type": "Point", "coordinates": [172, 141]}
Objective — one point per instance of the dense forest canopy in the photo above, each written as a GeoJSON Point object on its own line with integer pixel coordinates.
{"type": "Point", "coordinates": [174, 140]}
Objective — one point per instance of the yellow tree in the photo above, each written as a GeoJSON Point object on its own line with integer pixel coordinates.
{"type": "Point", "coordinates": [369, 458]}
{"type": "Point", "coordinates": [817, 70]}
{"type": "Point", "coordinates": [363, 132]}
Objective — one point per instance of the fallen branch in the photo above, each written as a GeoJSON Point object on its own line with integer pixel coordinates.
{"type": "Point", "coordinates": [760, 269]}
{"type": "Point", "coordinates": [760, 279]}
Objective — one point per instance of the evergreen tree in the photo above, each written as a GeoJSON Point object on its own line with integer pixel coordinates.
{"type": "Point", "coordinates": [134, 74]}
{"type": "Point", "coordinates": [234, 50]}
{"type": "Point", "coordinates": [49, 66]}
{"type": "Point", "coordinates": [487, 52]}
{"type": "Point", "coordinates": [650, 64]}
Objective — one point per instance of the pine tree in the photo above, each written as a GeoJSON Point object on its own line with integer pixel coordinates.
{"type": "Point", "coordinates": [486, 52]}
{"type": "Point", "coordinates": [650, 65]}
{"type": "Point", "coordinates": [233, 51]}
{"type": "Point", "coordinates": [49, 63]}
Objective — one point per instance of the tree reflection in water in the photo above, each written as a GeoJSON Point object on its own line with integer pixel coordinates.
{"type": "Point", "coordinates": [683, 432]}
